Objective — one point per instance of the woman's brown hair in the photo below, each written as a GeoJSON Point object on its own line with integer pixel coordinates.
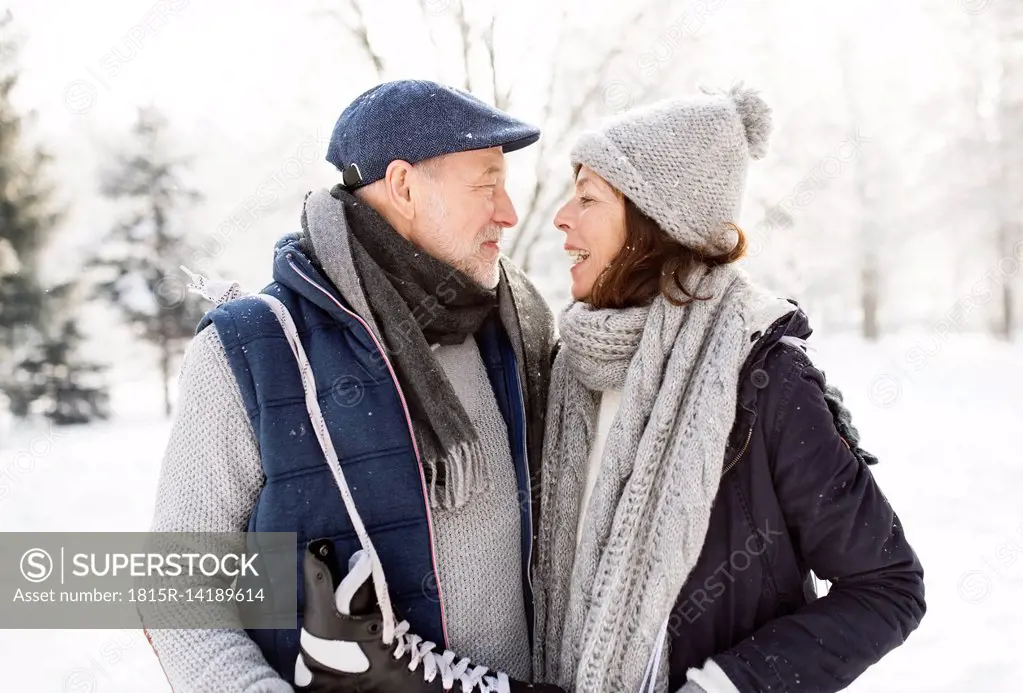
{"type": "Point", "coordinates": [650, 263]}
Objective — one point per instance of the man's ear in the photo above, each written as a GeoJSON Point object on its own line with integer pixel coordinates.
{"type": "Point", "coordinates": [398, 188]}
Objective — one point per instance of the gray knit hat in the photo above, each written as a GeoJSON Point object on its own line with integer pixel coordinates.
{"type": "Point", "coordinates": [683, 161]}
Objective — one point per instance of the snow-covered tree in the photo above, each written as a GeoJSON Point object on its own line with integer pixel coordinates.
{"type": "Point", "coordinates": [27, 214]}
{"type": "Point", "coordinates": [870, 201]}
{"type": "Point", "coordinates": [53, 379]}
{"type": "Point", "coordinates": [976, 121]}
{"type": "Point", "coordinates": [39, 335]}
{"type": "Point", "coordinates": [137, 264]}
{"type": "Point", "coordinates": [1008, 117]}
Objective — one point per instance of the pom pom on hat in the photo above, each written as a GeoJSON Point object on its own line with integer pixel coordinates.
{"type": "Point", "coordinates": [756, 118]}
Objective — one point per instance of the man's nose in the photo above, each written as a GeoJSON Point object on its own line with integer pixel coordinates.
{"type": "Point", "coordinates": [504, 210]}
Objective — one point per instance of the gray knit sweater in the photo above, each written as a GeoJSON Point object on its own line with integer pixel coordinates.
{"type": "Point", "coordinates": [211, 477]}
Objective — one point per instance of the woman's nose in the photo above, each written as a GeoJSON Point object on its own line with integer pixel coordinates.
{"type": "Point", "coordinates": [561, 220]}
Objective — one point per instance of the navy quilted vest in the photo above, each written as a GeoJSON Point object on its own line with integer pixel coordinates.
{"type": "Point", "coordinates": [369, 427]}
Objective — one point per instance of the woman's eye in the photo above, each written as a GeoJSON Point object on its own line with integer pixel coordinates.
{"type": "Point", "coordinates": [585, 200]}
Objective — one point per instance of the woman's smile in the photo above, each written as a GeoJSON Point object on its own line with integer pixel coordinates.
{"type": "Point", "coordinates": [577, 255]}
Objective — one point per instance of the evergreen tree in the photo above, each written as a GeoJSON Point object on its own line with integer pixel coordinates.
{"type": "Point", "coordinates": [52, 379]}
{"type": "Point", "coordinates": [39, 336]}
{"type": "Point", "coordinates": [27, 217]}
{"type": "Point", "coordinates": [138, 261]}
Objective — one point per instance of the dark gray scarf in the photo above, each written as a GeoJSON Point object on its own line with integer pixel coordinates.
{"type": "Point", "coordinates": [415, 301]}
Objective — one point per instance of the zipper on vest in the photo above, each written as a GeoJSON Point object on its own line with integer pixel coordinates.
{"type": "Point", "coordinates": [529, 486]}
{"type": "Point", "coordinates": [529, 491]}
{"type": "Point", "coordinates": [412, 434]}
{"type": "Point", "coordinates": [745, 446]}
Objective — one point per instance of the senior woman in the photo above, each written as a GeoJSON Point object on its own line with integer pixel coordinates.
{"type": "Point", "coordinates": [694, 473]}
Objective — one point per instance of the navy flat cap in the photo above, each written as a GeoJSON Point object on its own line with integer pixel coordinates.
{"type": "Point", "coordinates": [414, 120]}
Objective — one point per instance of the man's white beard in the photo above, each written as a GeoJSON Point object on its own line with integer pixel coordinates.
{"type": "Point", "coordinates": [486, 274]}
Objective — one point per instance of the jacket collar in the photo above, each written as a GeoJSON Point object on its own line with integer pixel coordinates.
{"type": "Point", "coordinates": [294, 268]}
{"type": "Point", "coordinates": [793, 324]}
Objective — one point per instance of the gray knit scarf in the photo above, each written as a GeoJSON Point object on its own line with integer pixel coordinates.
{"type": "Point", "coordinates": [600, 610]}
{"type": "Point", "coordinates": [415, 300]}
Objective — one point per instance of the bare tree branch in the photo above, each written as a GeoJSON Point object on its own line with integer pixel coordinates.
{"type": "Point", "coordinates": [558, 47]}
{"type": "Point", "coordinates": [573, 121]}
{"type": "Point", "coordinates": [527, 237]}
{"type": "Point", "coordinates": [539, 179]}
{"type": "Point", "coordinates": [500, 100]}
{"type": "Point", "coordinates": [360, 31]}
{"type": "Point", "coordinates": [548, 211]}
{"type": "Point", "coordinates": [525, 226]}
{"type": "Point", "coordinates": [426, 14]}
{"type": "Point", "coordinates": [463, 30]}
{"type": "Point", "coordinates": [543, 196]}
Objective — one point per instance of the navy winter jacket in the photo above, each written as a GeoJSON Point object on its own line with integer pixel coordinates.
{"type": "Point", "coordinates": [795, 497]}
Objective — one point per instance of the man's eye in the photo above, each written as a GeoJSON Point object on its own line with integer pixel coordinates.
{"type": "Point", "coordinates": [586, 200]}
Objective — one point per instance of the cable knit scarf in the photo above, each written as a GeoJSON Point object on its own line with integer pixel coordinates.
{"type": "Point", "coordinates": [600, 610]}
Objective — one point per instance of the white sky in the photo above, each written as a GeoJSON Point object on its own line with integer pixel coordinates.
{"type": "Point", "coordinates": [217, 60]}
{"type": "Point", "coordinates": [254, 69]}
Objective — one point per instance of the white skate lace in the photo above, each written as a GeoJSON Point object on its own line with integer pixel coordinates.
{"type": "Point", "coordinates": [472, 678]}
{"type": "Point", "coordinates": [218, 291]}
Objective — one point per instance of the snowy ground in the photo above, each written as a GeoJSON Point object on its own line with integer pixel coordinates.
{"type": "Point", "coordinates": [943, 425]}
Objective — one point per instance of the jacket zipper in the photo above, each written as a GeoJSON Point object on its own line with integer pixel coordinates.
{"type": "Point", "coordinates": [745, 446]}
{"type": "Point", "coordinates": [412, 433]}
{"type": "Point", "coordinates": [529, 493]}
